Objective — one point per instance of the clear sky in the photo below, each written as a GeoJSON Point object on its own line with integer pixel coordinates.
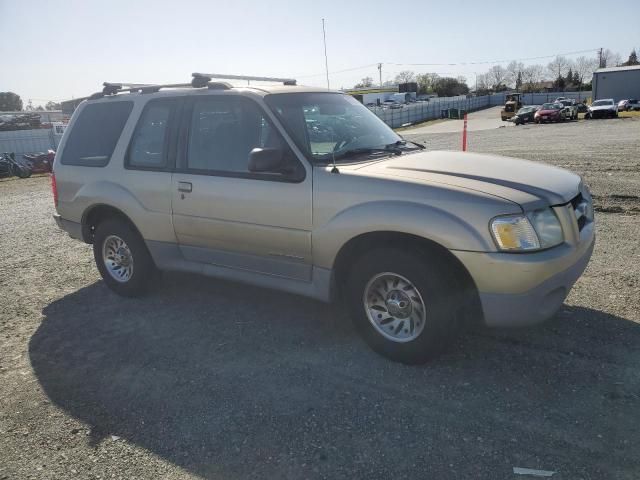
{"type": "Point", "coordinates": [55, 50]}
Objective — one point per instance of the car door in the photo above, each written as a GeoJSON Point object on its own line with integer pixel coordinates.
{"type": "Point", "coordinates": [225, 215]}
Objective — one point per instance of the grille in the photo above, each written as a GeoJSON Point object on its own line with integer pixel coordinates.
{"type": "Point", "coordinates": [580, 208]}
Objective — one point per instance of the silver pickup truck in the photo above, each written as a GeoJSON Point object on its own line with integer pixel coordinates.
{"type": "Point", "coordinates": [307, 191]}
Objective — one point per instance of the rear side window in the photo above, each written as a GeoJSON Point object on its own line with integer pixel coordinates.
{"type": "Point", "coordinates": [95, 133]}
{"type": "Point", "coordinates": [148, 145]}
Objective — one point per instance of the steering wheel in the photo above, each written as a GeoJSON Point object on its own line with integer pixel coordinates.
{"type": "Point", "coordinates": [344, 142]}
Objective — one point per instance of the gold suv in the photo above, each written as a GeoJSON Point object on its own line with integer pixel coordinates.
{"type": "Point", "coordinates": [305, 190]}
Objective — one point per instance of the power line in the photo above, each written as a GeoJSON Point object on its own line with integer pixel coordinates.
{"type": "Point", "coordinates": [485, 62]}
{"type": "Point", "coordinates": [495, 61]}
{"type": "Point", "coordinates": [337, 71]}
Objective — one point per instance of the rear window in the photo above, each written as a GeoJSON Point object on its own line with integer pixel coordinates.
{"type": "Point", "coordinates": [95, 133]}
{"type": "Point", "coordinates": [147, 149]}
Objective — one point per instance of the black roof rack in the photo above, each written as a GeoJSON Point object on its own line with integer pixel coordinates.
{"type": "Point", "coordinates": [208, 76]}
{"type": "Point", "coordinates": [199, 80]}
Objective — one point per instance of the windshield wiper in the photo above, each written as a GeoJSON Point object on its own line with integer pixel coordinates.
{"type": "Point", "coordinates": [403, 143]}
{"type": "Point", "coordinates": [368, 151]}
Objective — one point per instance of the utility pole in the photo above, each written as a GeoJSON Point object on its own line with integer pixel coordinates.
{"type": "Point", "coordinates": [326, 62]}
{"type": "Point", "coordinates": [600, 58]}
{"type": "Point", "coordinates": [380, 73]}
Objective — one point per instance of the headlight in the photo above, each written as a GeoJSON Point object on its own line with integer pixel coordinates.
{"type": "Point", "coordinates": [547, 226]}
{"type": "Point", "coordinates": [534, 231]}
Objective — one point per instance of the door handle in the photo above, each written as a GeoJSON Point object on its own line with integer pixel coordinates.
{"type": "Point", "coordinates": [185, 187]}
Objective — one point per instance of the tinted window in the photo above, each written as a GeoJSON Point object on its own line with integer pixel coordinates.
{"type": "Point", "coordinates": [223, 132]}
{"type": "Point", "coordinates": [148, 148]}
{"type": "Point", "coordinates": [95, 133]}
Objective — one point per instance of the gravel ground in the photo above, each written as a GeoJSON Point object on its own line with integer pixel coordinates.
{"type": "Point", "coordinates": [217, 380]}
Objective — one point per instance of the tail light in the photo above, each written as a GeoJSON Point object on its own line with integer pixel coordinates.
{"type": "Point", "coordinates": [54, 189]}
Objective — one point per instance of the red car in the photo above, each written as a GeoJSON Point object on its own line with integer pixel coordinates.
{"type": "Point", "coordinates": [549, 112]}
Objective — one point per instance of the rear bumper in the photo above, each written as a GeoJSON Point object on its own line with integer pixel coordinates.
{"type": "Point", "coordinates": [74, 229]}
{"type": "Point", "coordinates": [525, 289]}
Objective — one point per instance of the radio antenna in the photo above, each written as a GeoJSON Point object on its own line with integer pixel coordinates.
{"type": "Point", "coordinates": [326, 62]}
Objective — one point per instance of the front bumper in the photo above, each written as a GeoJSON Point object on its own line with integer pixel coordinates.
{"type": "Point", "coordinates": [74, 229]}
{"type": "Point", "coordinates": [525, 289]}
{"type": "Point", "coordinates": [602, 113]}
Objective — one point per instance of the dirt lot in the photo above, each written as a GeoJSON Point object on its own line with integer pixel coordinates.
{"type": "Point", "coordinates": [207, 379]}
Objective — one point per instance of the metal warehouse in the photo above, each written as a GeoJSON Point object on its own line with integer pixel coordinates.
{"type": "Point", "coordinates": [619, 83]}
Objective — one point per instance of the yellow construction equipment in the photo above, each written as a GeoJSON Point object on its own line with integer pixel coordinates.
{"type": "Point", "coordinates": [511, 105]}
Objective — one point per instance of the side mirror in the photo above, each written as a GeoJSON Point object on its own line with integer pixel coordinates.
{"type": "Point", "coordinates": [266, 160]}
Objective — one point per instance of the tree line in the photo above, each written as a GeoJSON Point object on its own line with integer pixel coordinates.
{"type": "Point", "coordinates": [561, 73]}
{"type": "Point", "coordinates": [11, 102]}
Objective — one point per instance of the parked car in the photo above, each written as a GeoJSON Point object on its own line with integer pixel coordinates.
{"type": "Point", "coordinates": [582, 107]}
{"type": "Point", "coordinates": [227, 182]}
{"type": "Point", "coordinates": [633, 105]}
{"type": "Point", "coordinates": [550, 112]}
{"type": "Point", "coordinates": [602, 109]}
{"type": "Point", "coordinates": [570, 110]}
{"type": "Point", "coordinates": [627, 105]}
{"type": "Point", "coordinates": [622, 105]}
{"type": "Point", "coordinates": [524, 115]}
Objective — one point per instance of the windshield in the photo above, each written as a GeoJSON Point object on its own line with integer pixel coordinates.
{"type": "Point", "coordinates": [328, 124]}
{"type": "Point", "coordinates": [601, 103]}
{"type": "Point", "coordinates": [551, 106]}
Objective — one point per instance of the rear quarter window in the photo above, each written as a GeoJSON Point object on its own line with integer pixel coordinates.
{"type": "Point", "coordinates": [95, 133]}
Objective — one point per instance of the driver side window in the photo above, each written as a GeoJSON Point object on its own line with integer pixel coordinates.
{"type": "Point", "coordinates": [224, 130]}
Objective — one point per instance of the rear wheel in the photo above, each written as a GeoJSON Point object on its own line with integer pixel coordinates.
{"type": "Point", "coordinates": [21, 171]}
{"type": "Point", "coordinates": [406, 305]}
{"type": "Point", "coordinates": [123, 259]}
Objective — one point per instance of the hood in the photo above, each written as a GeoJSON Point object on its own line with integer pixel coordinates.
{"type": "Point", "coordinates": [548, 112]}
{"type": "Point", "coordinates": [529, 184]}
{"type": "Point", "coordinates": [602, 107]}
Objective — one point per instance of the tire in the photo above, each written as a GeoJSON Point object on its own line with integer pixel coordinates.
{"type": "Point", "coordinates": [432, 316]}
{"type": "Point", "coordinates": [133, 255]}
{"type": "Point", "coordinates": [21, 171]}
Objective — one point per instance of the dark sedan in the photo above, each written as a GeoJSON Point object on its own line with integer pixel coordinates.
{"type": "Point", "coordinates": [524, 115]}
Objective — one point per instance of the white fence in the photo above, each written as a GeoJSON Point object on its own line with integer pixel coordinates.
{"type": "Point", "coordinates": [439, 107]}
{"type": "Point", "coordinates": [434, 108]}
{"type": "Point", "coordinates": [29, 141]}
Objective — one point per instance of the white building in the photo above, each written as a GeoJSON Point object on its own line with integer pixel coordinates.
{"type": "Point", "coordinates": [619, 83]}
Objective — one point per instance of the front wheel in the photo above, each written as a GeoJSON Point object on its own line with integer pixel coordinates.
{"type": "Point", "coordinates": [122, 258]}
{"type": "Point", "coordinates": [406, 305]}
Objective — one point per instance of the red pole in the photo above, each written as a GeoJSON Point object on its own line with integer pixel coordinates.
{"type": "Point", "coordinates": [464, 134]}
